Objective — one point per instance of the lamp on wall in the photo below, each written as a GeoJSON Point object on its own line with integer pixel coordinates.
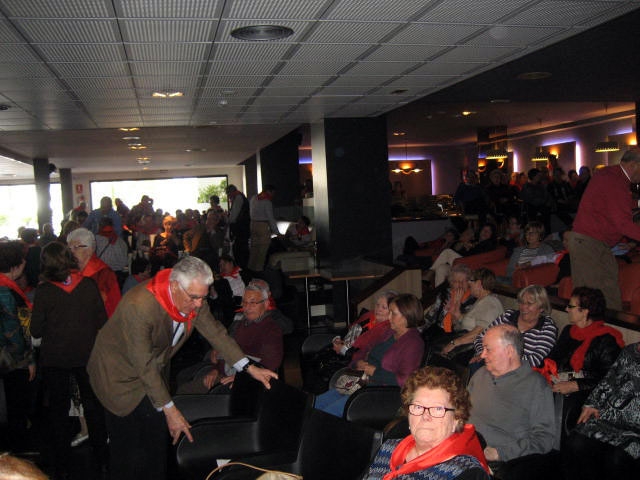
{"type": "Point", "coordinates": [541, 155]}
{"type": "Point", "coordinates": [496, 154]}
{"type": "Point", "coordinates": [602, 147]}
{"type": "Point", "coordinates": [406, 167]}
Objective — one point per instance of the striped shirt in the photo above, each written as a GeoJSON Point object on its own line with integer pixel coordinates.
{"type": "Point", "coordinates": [538, 341]}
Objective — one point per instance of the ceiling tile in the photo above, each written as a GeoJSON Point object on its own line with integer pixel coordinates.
{"type": "Point", "coordinates": [163, 52]}
{"type": "Point", "coordinates": [20, 70]}
{"type": "Point", "coordinates": [313, 67]}
{"type": "Point", "coordinates": [168, 8]}
{"type": "Point", "coordinates": [99, 84]}
{"type": "Point", "coordinates": [385, 10]}
{"type": "Point", "coordinates": [559, 12]}
{"type": "Point", "coordinates": [82, 52]}
{"type": "Point", "coordinates": [441, 67]}
{"type": "Point", "coordinates": [350, 32]}
{"type": "Point", "coordinates": [431, 34]}
{"type": "Point", "coordinates": [149, 84]}
{"type": "Point", "coordinates": [315, 51]}
{"type": "Point", "coordinates": [236, 51]}
{"type": "Point", "coordinates": [502, 35]}
{"type": "Point", "coordinates": [86, 69]}
{"type": "Point", "coordinates": [380, 68]}
{"type": "Point", "coordinates": [167, 31]}
{"type": "Point", "coordinates": [477, 54]}
{"type": "Point", "coordinates": [275, 10]}
{"type": "Point", "coordinates": [58, 8]}
{"type": "Point", "coordinates": [477, 12]}
{"type": "Point", "coordinates": [241, 67]}
{"type": "Point", "coordinates": [174, 68]}
{"type": "Point", "coordinates": [403, 53]}
{"type": "Point", "coordinates": [232, 81]}
{"type": "Point", "coordinates": [8, 34]}
{"type": "Point", "coordinates": [283, 80]}
{"type": "Point", "coordinates": [69, 31]}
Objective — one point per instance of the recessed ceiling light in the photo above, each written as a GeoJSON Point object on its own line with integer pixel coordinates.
{"type": "Point", "coordinates": [194, 150]}
{"type": "Point", "coordinates": [167, 94]}
{"type": "Point", "coordinates": [137, 147]}
{"type": "Point", "coordinates": [499, 100]}
{"type": "Point", "coordinates": [533, 75]}
{"type": "Point", "coordinates": [134, 144]}
{"type": "Point", "coordinates": [261, 33]}
{"type": "Point", "coordinates": [466, 113]}
{"type": "Point", "coordinates": [143, 160]}
{"type": "Point", "coordinates": [223, 102]}
{"type": "Point", "coordinates": [130, 129]}
{"type": "Point", "coordinates": [131, 138]}
{"type": "Point", "coordinates": [399, 134]}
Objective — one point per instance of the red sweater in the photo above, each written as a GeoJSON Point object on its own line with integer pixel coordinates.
{"type": "Point", "coordinates": [605, 209]}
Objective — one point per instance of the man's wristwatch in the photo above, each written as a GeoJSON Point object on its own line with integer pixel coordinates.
{"type": "Point", "coordinates": [453, 342]}
{"type": "Point", "coordinates": [247, 365]}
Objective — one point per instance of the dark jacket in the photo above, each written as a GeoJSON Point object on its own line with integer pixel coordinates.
{"type": "Point", "coordinates": [602, 352]}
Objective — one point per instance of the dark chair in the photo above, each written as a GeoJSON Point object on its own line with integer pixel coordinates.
{"type": "Point", "coordinates": [259, 421]}
{"type": "Point", "coordinates": [330, 448]}
{"type": "Point", "coordinates": [373, 406]}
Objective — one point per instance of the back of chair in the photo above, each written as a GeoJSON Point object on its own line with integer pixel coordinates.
{"type": "Point", "coordinates": [373, 406]}
{"type": "Point", "coordinates": [332, 448]}
{"type": "Point", "coordinates": [565, 288]}
{"type": "Point", "coordinates": [543, 275]}
{"type": "Point", "coordinates": [628, 279]}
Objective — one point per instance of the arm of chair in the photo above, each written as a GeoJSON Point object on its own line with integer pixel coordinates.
{"type": "Point", "coordinates": [316, 342]}
{"type": "Point", "coordinates": [196, 407]}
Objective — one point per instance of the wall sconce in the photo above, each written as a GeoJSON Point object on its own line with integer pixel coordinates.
{"type": "Point", "coordinates": [541, 155]}
{"type": "Point", "coordinates": [482, 165]}
{"type": "Point", "coordinates": [602, 147]}
{"type": "Point", "coordinates": [406, 169]}
{"type": "Point", "coordinates": [496, 154]}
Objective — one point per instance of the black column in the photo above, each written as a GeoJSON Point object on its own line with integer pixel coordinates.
{"type": "Point", "coordinates": [66, 187]}
{"type": "Point", "coordinates": [41, 175]}
{"type": "Point", "coordinates": [279, 167]}
{"type": "Point", "coordinates": [352, 194]}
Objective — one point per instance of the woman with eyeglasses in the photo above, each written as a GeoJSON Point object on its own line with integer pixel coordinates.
{"type": "Point", "coordinates": [532, 250]}
{"type": "Point", "coordinates": [441, 444]}
{"type": "Point", "coordinates": [391, 360]}
{"type": "Point", "coordinates": [585, 351]}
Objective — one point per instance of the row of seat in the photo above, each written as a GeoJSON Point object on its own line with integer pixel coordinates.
{"type": "Point", "coordinates": [276, 429]}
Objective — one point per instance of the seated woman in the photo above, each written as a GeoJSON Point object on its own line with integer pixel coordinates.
{"type": "Point", "coordinates": [438, 317]}
{"type": "Point", "coordinates": [465, 247]}
{"type": "Point", "coordinates": [534, 322]}
{"type": "Point", "coordinates": [368, 330]}
{"type": "Point", "coordinates": [392, 360]}
{"type": "Point", "coordinates": [467, 326]}
{"type": "Point", "coordinates": [530, 253]}
{"type": "Point", "coordinates": [606, 443]}
{"type": "Point", "coordinates": [441, 443]}
{"type": "Point", "coordinates": [585, 350]}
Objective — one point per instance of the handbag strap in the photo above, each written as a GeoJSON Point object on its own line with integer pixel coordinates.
{"type": "Point", "coordinates": [293, 476]}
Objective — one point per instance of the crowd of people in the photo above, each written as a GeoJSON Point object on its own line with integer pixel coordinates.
{"type": "Point", "coordinates": [92, 318]}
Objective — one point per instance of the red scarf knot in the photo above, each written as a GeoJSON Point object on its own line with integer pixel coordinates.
{"type": "Point", "coordinates": [463, 443]}
{"type": "Point", "coordinates": [159, 288]}
{"type": "Point", "coordinates": [586, 335]}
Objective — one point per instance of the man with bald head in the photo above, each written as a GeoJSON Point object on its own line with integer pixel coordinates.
{"type": "Point", "coordinates": [512, 405]}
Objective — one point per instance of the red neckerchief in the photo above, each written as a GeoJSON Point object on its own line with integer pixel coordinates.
{"type": "Point", "coordinates": [93, 266]}
{"type": "Point", "coordinates": [463, 443]}
{"type": "Point", "coordinates": [233, 273]}
{"type": "Point", "coordinates": [159, 288]}
{"type": "Point", "coordinates": [71, 282]}
{"type": "Point", "coordinates": [11, 285]}
{"type": "Point", "coordinates": [302, 231]}
{"type": "Point", "coordinates": [109, 233]}
{"type": "Point", "coordinates": [587, 334]}
{"type": "Point", "coordinates": [233, 195]}
{"type": "Point", "coordinates": [265, 196]}
{"type": "Point", "coordinates": [548, 370]}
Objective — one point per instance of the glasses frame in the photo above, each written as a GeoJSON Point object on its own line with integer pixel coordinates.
{"type": "Point", "coordinates": [569, 307]}
{"type": "Point", "coordinates": [244, 304]}
{"type": "Point", "coordinates": [193, 298]}
{"type": "Point", "coordinates": [428, 409]}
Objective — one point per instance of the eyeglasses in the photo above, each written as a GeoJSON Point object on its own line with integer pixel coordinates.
{"type": "Point", "coordinates": [76, 247]}
{"type": "Point", "coordinates": [246, 304]}
{"type": "Point", "coordinates": [569, 306]}
{"type": "Point", "coordinates": [193, 298]}
{"type": "Point", "coordinates": [434, 412]}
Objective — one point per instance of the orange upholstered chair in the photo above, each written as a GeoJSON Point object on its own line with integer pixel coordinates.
{"type": "Point", "coordinates": [543, 275]}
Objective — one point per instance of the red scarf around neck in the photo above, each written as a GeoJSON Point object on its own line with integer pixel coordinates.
{"type": "Point", "coordinates": [93, 266]}
{"type": "Point", "coordinates": [265, 196]}
{"type": "Point", "coordinates": [233, 273]}
{"type": "Point", "coordinates": [11, 285]}
{"type": "Point", "coordinates": [463, 443]}
{"type": "Point", "coordinates": [109, 233]}
{"type": "Point", "coordinates": [586, 335]}
{"type": "Point", "coordinates": [159, 288]}
{"type": "Point", "coordinates": [71, 282]}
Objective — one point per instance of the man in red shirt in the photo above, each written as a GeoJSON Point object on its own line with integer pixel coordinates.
{"type": "Point", "coordinates": [604, 216]}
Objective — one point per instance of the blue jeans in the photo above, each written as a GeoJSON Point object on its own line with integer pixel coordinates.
{"type": "Point", "coordinates": [331, 402]}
